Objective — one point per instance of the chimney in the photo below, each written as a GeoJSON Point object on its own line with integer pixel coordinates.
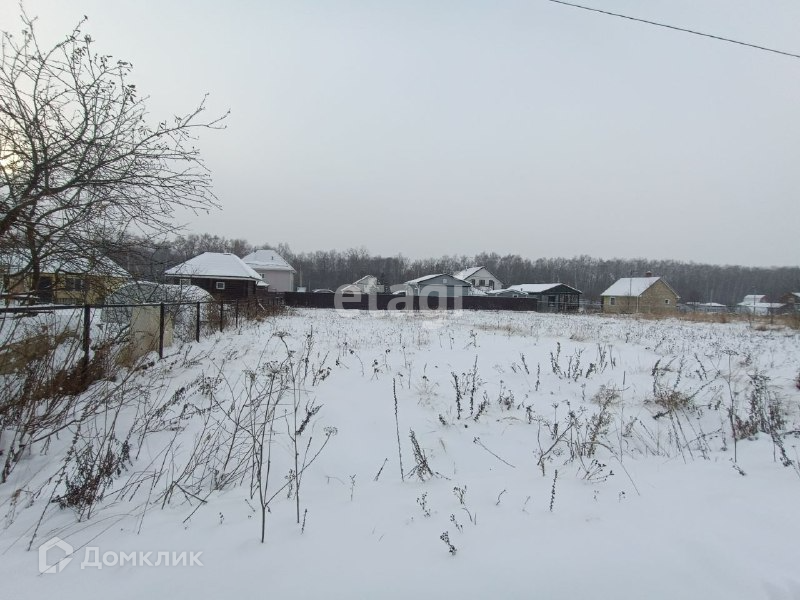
{"type": "Point", "coordinates": [648, 274]}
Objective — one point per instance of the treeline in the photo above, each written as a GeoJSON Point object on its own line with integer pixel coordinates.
{"type": "Point", "coordinates": [331, 268]}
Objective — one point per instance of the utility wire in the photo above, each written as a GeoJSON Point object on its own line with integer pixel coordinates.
{"type": "Point", "coordinates": [708, 35]}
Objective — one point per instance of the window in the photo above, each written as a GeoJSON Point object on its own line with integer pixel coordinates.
{"type": "Point", "coordinates": [666, 300]}
{"type": "Point", "coordinates": [185, 281]}
{"type": "Point", "coordinates": [491, 284]}
{"type": "Point", "coordinates": [220, 285]}
{"type": "Point", "coordinates": [612, 301]}
{"type": "Point", "coordinates": [74, 284]}
{"type": "Point", "coordinates": [444, 280]}
{"type": "Point", "coordinates": [472, 281]}
{"type": "Point", "coordinates": [483, 283]}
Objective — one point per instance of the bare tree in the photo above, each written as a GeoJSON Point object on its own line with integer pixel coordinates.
{"type": "Point", "coordinates": [80, 166]}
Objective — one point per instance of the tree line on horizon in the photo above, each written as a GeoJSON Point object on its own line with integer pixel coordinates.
{"type": "Point", "coordinates": [694, 282]}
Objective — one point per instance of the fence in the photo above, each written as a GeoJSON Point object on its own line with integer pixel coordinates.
{"type": "Point", "coordinates": [392, 302]}
{"type": "Point", "coordinates": [189, 319]}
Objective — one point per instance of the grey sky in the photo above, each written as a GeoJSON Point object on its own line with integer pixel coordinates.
{"type": "Point", "coordinates": [452, 127]}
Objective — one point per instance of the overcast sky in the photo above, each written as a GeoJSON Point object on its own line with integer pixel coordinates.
{"type": "Point", "coordinates": [428, 127]}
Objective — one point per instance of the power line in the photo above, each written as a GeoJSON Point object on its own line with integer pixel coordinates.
{"type": "Point", "coordinates": [708, 35]}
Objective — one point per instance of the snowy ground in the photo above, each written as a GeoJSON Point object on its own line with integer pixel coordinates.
{"type": "Point", "coordinates": [653, 497]}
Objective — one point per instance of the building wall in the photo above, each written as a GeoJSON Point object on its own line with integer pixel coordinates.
{"type": "Point", "coordinates": [490, 282]}
{"type": "Point", "coordinates": [279, 281]}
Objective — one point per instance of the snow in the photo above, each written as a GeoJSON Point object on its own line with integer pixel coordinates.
{"type": "Point", "coordinates": [676, 519]}
{"type": "Point", "coordinates": [267, 260]}
{"type": "Point", "coordinates": [19, 261]}
{"type": "Point", "coordinates": [630, 286]}
{"type": "Point", "coordinates": [214, 264]}
{"type": "Point", "coordinates": [424, 278]}
{"type": "Point", "coordinates": [467, 273]}
{"type": "Point", "coordinates": [534, 288]}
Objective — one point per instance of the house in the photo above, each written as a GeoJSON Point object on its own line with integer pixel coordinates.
{"type": "Point", "coordinates": [224, 275]}
{"type": "Point", "coordinates": [706, 307]}
{"type": "Point", "coordinates": [640, 295]}
{"type": "Point", "coordinates": [480, 278]}
{"type": "Point", "coordinates": [369, 284]}
{"type": "Point", "coordinates": [444, 286]}
{"type": "Point", "coordinates": [273, 268]}
{"type": "Point", "coordinates": [552, 297]}
{"type": "Point", "coordinates": [62, 279]}
{"type": "Point", "coordinates": [757, 304]}
{"type": "Point", "coordinates": [792, 302]}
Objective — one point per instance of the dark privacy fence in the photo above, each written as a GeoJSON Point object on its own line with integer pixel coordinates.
{"type": "Point", "coordinates": [392, 302]}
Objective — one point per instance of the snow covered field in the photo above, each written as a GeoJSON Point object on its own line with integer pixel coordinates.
{"type": "Point", "coordinates": [556, 457]}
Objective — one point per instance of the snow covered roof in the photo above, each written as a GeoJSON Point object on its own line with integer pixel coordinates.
{"type": "Point", "coordinates": [367, 285]}
{"type": "Point", "coordinates": [214, 264]}
{"type": "Point", "coordinates": [758, 305]}
{"type": "Point", "coordinates": [267, 260]}
{"type": "Point", "coordinates": [424, 278]}
{"type": "Point", "coordinates": [631, 286]}
{"type": "Point", "coordinates": [706, 304]}
{"type": "Point", "coordinates": [537, 288]}
{"type": "Point", "coordinates": [18, 261]}
{"type": "Point", "coordinates": [753, 299]}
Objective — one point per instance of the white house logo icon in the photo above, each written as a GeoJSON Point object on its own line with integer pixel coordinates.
{"type": "Point", "coordinates": [59, 547]}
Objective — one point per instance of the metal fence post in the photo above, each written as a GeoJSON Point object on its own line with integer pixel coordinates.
{"type": "Point", "coordinates": [197, 325]}
{"type": "Point", "coordinates": [161, 330]}
{"type": "Point", "coordinates": [87, 315]}
{"type": "Point", "coordinates": [221, 314]}
{"type": "Point", "coordinates": [236, 313]}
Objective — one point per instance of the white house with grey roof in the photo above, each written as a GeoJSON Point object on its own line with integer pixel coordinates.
{"type": "Point", "coordinates": [480, 278]}
{"type": "Point", "coordinates": [273, 268]}
{"type": "Point", "coordinates": [440, 284]}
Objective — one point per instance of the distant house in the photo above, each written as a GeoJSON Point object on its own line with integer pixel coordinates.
{"type": "Point", "coordinates": [757, 304]}
{"type": "Point", "coordinates": [553, 297]}
{"type": "Point", "coordinates": [792, 301]}
{"type": "Point", "coordinates": [437, 285]}
{"type": "Point", "coordinates": [480, 278]}
{"type": "Point", "coordinates": [62, 280]}
{"type": "Point", "coordinates": [706, 307]}
{"type": "Point", "coordinates": [639, 295]}
{"type": "Point", "coordinates": [273, 268]}
{"type": "Point", "coordinates": [366, 285]}
{"type": "Point", "coordinates": [224, 275]}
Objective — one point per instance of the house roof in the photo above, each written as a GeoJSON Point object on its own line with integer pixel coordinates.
{"type": "Point", "coordinates": [267, 260]}
{"type": "Point", "coordinates": [214, 264]}
{"type": "Point", "coordinates": [367, 284]}
{"type": "Point", "coordinates": [753, 299]}
{"type": "Point", "coordinates": [466, 274]}
{"type": "Point", "coordinates": [18, 261]}
{"type": "Point", "coordinates": [425, 278]}
{"type": "Point", "coordinates": [633, 286]}
{"type": "Point", "coordinates": [538, 288]}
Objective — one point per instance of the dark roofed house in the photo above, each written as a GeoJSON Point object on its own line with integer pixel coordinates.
{"type": "Point", "coordinates": [224, 275]}
{"type": "Point", "coordinates": [552, 297]}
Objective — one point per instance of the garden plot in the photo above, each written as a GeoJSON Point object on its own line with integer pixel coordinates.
{"type": "Point", "coordinates": [436, 454]}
